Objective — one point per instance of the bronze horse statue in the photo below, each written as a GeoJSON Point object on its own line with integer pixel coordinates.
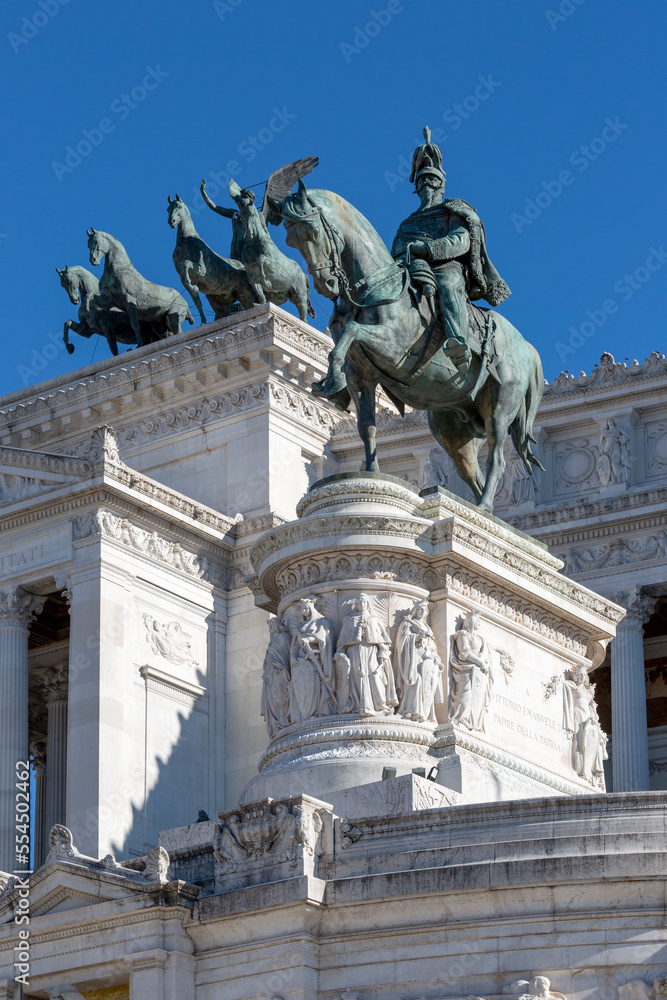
{"type": "Point", "coordinates": [143, 301]}
{"type": "Point", "coordinates": [94, 318]}
{"type": "Point", "coordinates": [384, 335]}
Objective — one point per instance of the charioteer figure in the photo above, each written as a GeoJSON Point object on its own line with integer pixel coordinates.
{"type": "Point", "coordinates": [444, 245]}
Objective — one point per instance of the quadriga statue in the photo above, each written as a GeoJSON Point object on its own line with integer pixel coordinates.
{"type": "Point", "coordinates": [122, 286]}
{"type": "Point", "coordinates": [96, 317]}
{"type": "Point", "coordinates": [405, 320]}
{"type": "Point", "coordinates": [223, 281]}
{"type": "Point", "coordinates": [273, 276]}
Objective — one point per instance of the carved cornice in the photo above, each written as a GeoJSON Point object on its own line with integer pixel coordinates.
{"type": "Point", "coordinates": [480, 590]}
{"type": "Point", "coordinates": [532, 572]}
{"type": "Point", "coordinates": [609, 374]}
{"type": "Point", "coordinates": [384, 491]}
{"type": "Point", "coordinates": [260, 328]}
{"type": "Point", "coordinates": [149, 544]}
{"type": "Point", "coordinates": [321, 528]}
{"type": "Point", "coordinates": [590, 510]}
{"type": "Point", "coordinates": [42, 461]}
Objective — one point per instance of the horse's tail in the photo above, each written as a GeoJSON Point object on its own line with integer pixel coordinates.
{"type": "Point", "coordinates": [521, 427]}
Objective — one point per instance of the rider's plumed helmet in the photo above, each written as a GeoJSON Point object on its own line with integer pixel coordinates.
{"type": "Point", "coordinates": [427, 160]}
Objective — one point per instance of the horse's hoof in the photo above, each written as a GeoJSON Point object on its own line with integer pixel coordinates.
{"type": "Point", "coordinates": [70, 348]}
{"type": "Point", "coordinates": [330, 385]}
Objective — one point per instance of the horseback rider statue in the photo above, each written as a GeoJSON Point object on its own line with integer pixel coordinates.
{"type": "Point", "coordinates": [444, 245]}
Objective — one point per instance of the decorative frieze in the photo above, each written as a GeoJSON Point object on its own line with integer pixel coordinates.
{"type": "Point", "coordinates": [150, 544]}
{"type": "Point", "coordinates": [619, 552]}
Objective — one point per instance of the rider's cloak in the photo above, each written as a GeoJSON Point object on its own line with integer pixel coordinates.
{"type": "Point", "coordinates": [483, 280]}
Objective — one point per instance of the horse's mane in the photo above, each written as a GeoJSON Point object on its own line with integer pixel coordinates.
{"type": "Point", "coordinates": [83, 273]}
{"type": "Point", "coordinates": [343, 213]}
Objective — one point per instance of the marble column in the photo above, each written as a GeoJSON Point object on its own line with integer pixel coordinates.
{"type": "Point", "coordinates": [38, 753]}
{"type": "Point", "coordinates": [55, 692]}
{"type": "Point", "coordinates": [628, 693]}
{"type": "Point", "coordinates": [17, 610]}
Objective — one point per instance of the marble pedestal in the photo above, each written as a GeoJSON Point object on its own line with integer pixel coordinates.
{"type": "Point", "coordinates": [514, 713]}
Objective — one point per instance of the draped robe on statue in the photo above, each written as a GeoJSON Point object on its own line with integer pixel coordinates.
{"type": "Point", "coordinates": [470, 673]}
{"type": "Point", "coordinates": [419, 670]}
{"type": "Point", "coordinates": [589, 743]}
{"type": "Point", "coordinates": [276, 683]}
{"type": "Point", "coordinates": [365, 641]}
{"type": "Point", "coordinates": [312, 683]}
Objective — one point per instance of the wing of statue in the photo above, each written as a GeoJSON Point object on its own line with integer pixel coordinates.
{"type": "Point", "coordinates": [281, 182]}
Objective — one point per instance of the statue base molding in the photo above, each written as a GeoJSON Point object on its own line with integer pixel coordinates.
{"type": "Point", "coordinates": [416, 633]}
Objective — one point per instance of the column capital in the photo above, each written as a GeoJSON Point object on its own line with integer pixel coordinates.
{"type": "Point", "coordinates": [38, 752]}
{"type": "Point", "coordinates": [55, 682]}
{"type": "Point", "coordinates": [18, 608]}
{"type": "Point", "coordinates": [638, 607]}
{"type": "Point", "coordinates": [64, 585]}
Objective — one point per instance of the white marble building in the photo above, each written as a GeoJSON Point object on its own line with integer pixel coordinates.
{"type": "Point", "coordinates": [132, 640]}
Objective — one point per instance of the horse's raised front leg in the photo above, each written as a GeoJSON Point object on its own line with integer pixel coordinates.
{"type": "Point", "coordinates": [69, 347]}
{"type": "Point", "coordinates": [362, 392]}
{"type": "Point", "coordinates": [81, 328]}
{"type": "Point", "coordinates": [334, 379]}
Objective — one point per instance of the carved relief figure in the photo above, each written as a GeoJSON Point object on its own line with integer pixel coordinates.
{"type": "Point", "coordinates": [435, 469]}
{"type": "Point", "coordinates": [311, 662]}
{"type": "Point", "coordinates": [614, 460]}
{"type": "Point", "coordinates": [365, 642]}
{"type": "Point", "coordinates": [470, 675]}
{"type": "Point", "coordinates": [539, 988]}
{"type": "Point", "coordinates": [276, 678]}
{"type": "Point", "coordinates": [580, 720]}
{"type": "Point", "coordinates": [418, 666]}
{"type": "Point", "coordinates": [169, 641]}
{"type": "Point", "coordinates": [524, 484]}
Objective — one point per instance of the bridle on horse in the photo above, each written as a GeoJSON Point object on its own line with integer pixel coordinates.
{"type": "Point", "coordinates": [335, 265]}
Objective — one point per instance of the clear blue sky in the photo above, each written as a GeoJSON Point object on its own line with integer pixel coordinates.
{"type": "Point", "coordinates": [184, 88]}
